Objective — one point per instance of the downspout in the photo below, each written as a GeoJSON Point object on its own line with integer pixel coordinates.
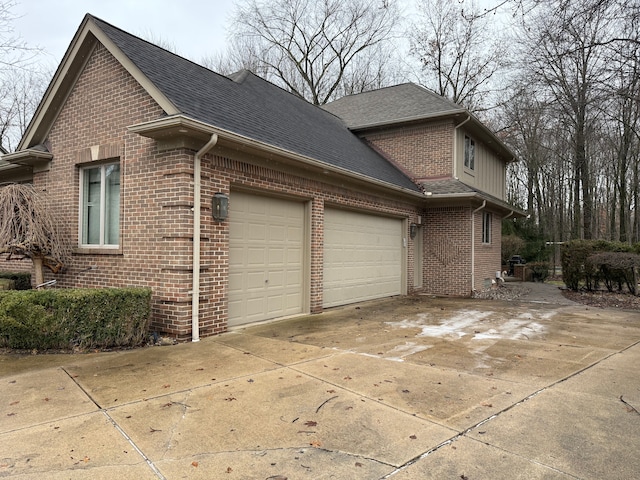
{"type": "Point", "coordinates": [455, 146]}
{"type": "Point", "coordinates": [473, 244]}
{"type": "Point", "coordinates": [197, 198]}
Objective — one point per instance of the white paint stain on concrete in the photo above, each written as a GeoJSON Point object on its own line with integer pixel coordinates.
{"type": "Point", "coordinates": [409, 348]}
{"type": "Point", "coordinates": [477, 325]}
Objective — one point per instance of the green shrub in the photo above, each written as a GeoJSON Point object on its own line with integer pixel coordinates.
{"type": "Point", "coordinates": [22, 280]}
{"type": "Point", "coordinates": [539, 271]}
{"type": "Point", "coordinates": [617, 268]}
{"type": "Point", "coordinates": [576, 270]}
{"type": "Point", "coordinates": [68, 318]}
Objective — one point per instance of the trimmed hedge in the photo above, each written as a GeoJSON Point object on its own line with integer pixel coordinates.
{"type": "Point", "coordinates": [617, 268]}
{"type": "Point", "coordinates": [576, 268]}
{"type": "Point", "coordinates": [74, 318]}
{"type": "Point", "coordinates": [22, 280]}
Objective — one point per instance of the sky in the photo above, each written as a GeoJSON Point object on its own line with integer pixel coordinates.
{"type": "Point", "coordinates": [196, 28]}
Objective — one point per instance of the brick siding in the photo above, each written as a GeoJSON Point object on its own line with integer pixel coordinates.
{"type": "Point", "coordinates": [424, 151]}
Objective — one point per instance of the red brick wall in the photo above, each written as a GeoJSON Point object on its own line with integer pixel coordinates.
{"type": "Point", "coordinates": [103, 103]}
{"type": "Point", "coordinates": [15, 265]}
{"type": "Point", "coordinates": [487, 256]}
{"type": "Point", "coordinates": [424, 151]}
{"type": "Point", "coordinates": [447, 251]}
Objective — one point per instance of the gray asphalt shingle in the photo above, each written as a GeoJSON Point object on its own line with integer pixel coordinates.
{"type": "Point", "coordinates": [399, 103]}
{"type": "Point", "coordinates": [256, 109]}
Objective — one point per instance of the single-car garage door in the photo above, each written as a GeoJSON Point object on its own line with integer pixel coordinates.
{"type": "Point", "coordinates": [266, 258]}
{"type": "Point", "coordinates": [362, 257]}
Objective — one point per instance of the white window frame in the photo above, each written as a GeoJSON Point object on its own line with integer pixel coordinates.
{"type": "Point", "coordinates": [103, 207]}
{"type": "Point", "coordinates": [487, 218]}
{"type": "Point", "coordinates": [469, 153]}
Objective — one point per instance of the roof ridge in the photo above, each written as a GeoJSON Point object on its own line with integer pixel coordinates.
{"type": "Point", "coordinates": [151, 44]}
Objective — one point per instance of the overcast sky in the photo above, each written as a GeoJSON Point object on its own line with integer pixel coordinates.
{"type": "Point", "coordinates": [196, 28]}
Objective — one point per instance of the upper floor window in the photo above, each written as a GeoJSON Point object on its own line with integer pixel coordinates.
{"type": "Point", "coordinates": [486, 227]}
{"type": "Point", "coordinates": [100, 205]}
{"type": "Point", "coordinates": [469, 153]}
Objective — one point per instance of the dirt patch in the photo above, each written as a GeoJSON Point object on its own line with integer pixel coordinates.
{"type": "Point", "coordinates": [604, 299]}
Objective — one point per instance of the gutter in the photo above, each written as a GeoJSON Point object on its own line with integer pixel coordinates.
{"type": "Point", "coordinates": [197, 199]}
{"type": "Point", "coordinates": [149, 129]}
{"type": "Point", "coordinates": [473, 244]}
{"type": "Point", "coordinates": [455, 146]}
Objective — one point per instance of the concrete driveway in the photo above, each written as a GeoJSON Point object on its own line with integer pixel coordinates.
{"type": "Point", "coordinates": [407, 388]}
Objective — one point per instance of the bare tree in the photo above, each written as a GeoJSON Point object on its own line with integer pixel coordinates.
{"type": "Point", "coordinates": [14, 52]}
{"type": "Point", "coordinates": [28, 230]}
{"type": "Point", "coordinates": [563, 54]}
{"type": "Point", "coordinates": [311, 47]}
{"type": "Point", "coordinates": [20, 92]}
{"type": "Point", "coordinates": [459, 54]}
{"type": "Point", "coordinates": [22, 81]}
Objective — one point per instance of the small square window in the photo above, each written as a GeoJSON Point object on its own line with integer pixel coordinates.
{"type": "Point", "coordinates": [100, 206]}
{"type": "Point", "coordinates": [486, 227]}
{"type": "Point", "coordinates": [469, 153]}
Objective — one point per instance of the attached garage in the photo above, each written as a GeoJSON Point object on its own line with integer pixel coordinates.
{"type": "Point", "coordinates": [266, 258]}
{"type": "Point", "coordinates": [363, 257]}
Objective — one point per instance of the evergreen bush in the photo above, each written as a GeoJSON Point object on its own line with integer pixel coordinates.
{"type": "Point", "coordinates": [22, 280]}
{"type": "Point", "coordinates": [74, 318]}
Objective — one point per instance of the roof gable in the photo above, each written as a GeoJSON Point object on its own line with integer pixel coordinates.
{"type": "Point", "coordinates": [78, 53]}
{"type": "Point", "coordinates": [409, 103]}
{"type": "Point", "coordinates": [244, 105]}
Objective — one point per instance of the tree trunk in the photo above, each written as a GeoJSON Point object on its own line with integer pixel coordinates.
{"type": "Point", "coordinates": [38, 272]}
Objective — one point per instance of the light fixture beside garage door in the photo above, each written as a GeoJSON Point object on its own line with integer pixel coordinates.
{"type": "Point", "coordinates": [220, 207]}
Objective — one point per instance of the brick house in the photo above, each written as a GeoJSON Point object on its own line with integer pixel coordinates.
{"type": "Point", "coordinates": [295, 208]}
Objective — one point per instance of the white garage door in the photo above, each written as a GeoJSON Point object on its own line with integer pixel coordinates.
{"type": "Point", "coordinates": [362, 257]}
{"type": "Point", "coordinates": [266, 258]}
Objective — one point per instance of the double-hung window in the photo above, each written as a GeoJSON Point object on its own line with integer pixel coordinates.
{"type": "Point", "coordinates": [486, 227]}
{"type": "Point", "coordinates": [100, 206]}
{"type": "Point", "coordinates": [469, 153]}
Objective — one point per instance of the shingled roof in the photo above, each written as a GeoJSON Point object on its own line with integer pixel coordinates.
{"type": "Point", "coordinates": [399, 103]}
{"type": "Point", "coordinates": [250, 106]}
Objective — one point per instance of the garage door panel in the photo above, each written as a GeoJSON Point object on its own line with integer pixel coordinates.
{"type": "Point", "coordinates": [362, 257]}
{"type": "Point", "coordinates": [266, 258]}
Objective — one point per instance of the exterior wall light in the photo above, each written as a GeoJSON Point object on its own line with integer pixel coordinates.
{"type": "Point", "coordinates": [413, 230]}
{"type": "Point", "coordinates": [220, 207]}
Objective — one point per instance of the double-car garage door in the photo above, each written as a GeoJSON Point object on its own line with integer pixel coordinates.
{"type": "Point", "coordinates": [268, 271]}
